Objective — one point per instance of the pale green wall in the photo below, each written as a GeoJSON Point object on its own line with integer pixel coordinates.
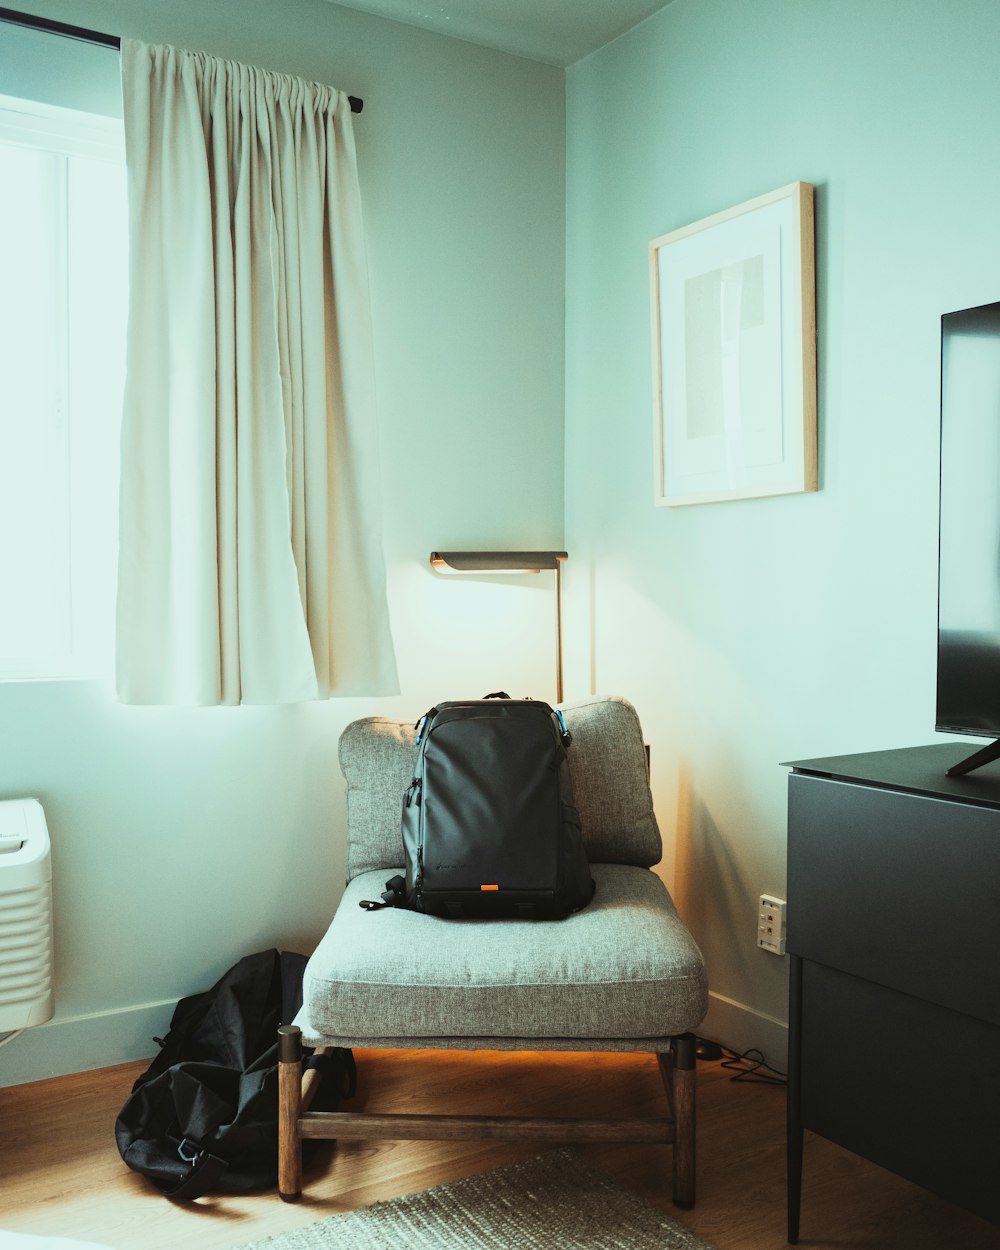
{"type": "Point", "coordinates": [746, 633]}
{"type": "Point", "coordinates": [756, 632]}
{"type": "Point", "coordinates": [184, 839]}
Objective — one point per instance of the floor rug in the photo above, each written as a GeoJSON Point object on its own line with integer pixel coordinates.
{"type": "Point", "coordinates": [554, 1201]}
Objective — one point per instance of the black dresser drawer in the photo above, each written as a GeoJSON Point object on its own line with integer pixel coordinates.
{"type": "Point", "coordinates": [890, 1077]}
{"type": "Point", "coordinates": [900, 889]}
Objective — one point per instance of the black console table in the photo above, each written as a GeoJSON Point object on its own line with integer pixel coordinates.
{"type": "Point", "coordinates": [894, 937]}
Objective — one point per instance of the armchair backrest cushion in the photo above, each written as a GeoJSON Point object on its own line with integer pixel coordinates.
{"type": "Point", "coordinates": [607, 763]}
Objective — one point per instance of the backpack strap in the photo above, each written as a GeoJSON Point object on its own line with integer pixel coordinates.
{"type": "Point", "coordinates": [393, 895]}
{"type": "Point", "coordinates": [421, 724]}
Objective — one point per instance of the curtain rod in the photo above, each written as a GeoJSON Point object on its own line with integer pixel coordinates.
{"type": "Point", "coordinates": [14, 18]}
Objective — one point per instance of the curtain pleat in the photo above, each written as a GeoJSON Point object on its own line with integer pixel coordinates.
{"type": "Point", "coordinates": [251, 566]}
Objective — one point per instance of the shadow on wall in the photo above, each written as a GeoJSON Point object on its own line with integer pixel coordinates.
{"type": "Point", "coordinates": [711, 889]}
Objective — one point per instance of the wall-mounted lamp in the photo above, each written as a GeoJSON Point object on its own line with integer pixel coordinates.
{"type": "Point", "coordinates": [511, 562]}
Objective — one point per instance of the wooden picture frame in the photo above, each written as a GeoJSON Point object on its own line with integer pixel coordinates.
{"type": "Point", "coordinates": [733, 310]}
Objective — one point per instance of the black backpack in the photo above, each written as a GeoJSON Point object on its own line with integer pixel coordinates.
{"type": "Point", "coordinates": [204, 1115]}
{"type": "Point", "coordinates": [489, 826]}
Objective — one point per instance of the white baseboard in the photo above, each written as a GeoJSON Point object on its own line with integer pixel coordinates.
{"type": "Point", "coordinates": [83, 1043]}
{"type": "Point", "coordinates": [743, 1028]}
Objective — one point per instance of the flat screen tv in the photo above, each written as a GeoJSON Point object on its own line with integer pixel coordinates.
{"type": "Point", "coordinates": [968, 663]}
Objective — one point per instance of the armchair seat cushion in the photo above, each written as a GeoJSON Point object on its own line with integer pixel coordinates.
{"type": "Point", "coordinates": [624, 967]}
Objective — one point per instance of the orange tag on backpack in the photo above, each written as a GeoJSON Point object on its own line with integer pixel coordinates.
{"type": "Point", "coordinates": [489, 887]}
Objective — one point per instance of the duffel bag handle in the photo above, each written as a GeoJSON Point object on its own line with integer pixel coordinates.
{"type": "Point", "coordinates": [206, 1170]}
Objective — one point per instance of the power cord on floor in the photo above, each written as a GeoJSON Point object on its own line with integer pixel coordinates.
{"type": "Point", "coordinates": [749, 1066]}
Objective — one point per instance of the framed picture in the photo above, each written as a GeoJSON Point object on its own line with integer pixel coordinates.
{"type": "Point", "coordinates": [733, 302]}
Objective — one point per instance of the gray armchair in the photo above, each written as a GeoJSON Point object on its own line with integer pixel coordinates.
{"type": "Point", "coordinates": [622, 974]}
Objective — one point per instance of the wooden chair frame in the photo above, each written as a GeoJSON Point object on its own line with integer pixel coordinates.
{"type": "Point", "coordinates": [296, 1121]}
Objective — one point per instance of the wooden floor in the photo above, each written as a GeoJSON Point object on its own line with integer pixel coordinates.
{"type": "Point", "coordinates": [60, 1173]}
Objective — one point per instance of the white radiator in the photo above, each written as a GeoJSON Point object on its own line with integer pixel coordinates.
{"type": "Point", "coordinates": [25, 916]}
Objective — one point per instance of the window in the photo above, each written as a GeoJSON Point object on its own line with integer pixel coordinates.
{"type": "Point", "coordinates": [63, 301]}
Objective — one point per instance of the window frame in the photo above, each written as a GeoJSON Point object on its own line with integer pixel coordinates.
{"type": "Point", "coordinates": [85, 648]}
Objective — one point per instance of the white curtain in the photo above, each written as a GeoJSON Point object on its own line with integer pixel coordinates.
{"type": "Point", "coordinates": [251, 566]}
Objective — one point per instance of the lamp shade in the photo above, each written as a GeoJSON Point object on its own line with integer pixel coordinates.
{"type": "Point", "coordinates": [496, 561]}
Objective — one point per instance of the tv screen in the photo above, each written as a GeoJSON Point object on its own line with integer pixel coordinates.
{"type": "Point", "coordinates": [968, 671]}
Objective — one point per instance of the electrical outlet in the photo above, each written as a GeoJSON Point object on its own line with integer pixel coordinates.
{"type": "Point", "coordinates": [771, 924]}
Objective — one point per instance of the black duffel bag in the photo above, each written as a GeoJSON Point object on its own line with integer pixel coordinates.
{"type": "Point", "coordinates": [204, 1115]}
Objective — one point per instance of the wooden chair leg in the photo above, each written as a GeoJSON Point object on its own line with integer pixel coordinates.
{"type": "Point", "coordinates": [679, 1077]}
{"type": "Point", "coordinates": [677, 1068]}
{"type": "Point", "coordinates": [289, 1111]}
